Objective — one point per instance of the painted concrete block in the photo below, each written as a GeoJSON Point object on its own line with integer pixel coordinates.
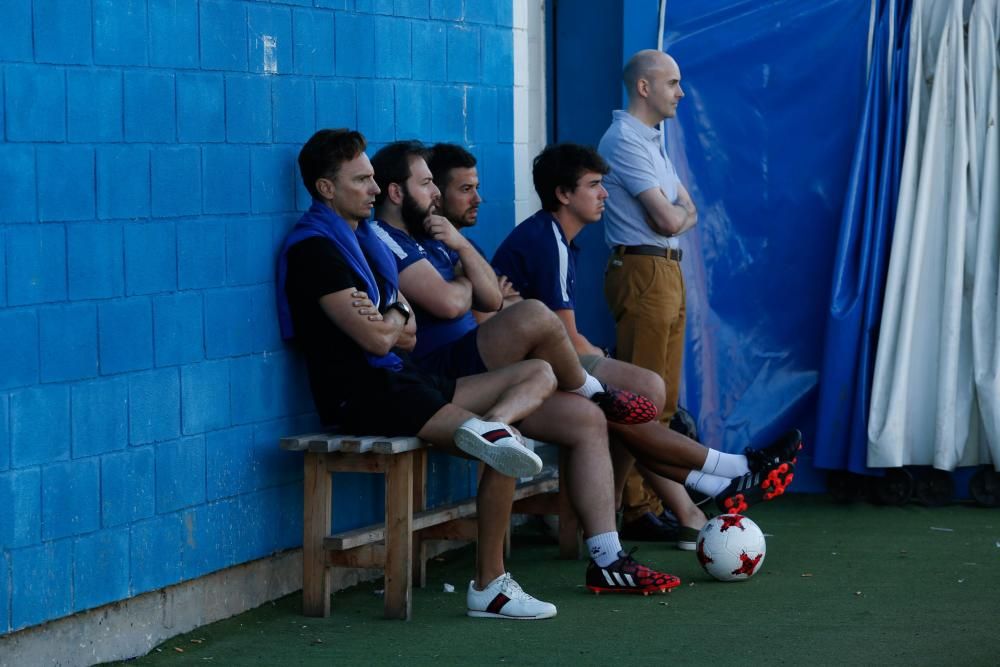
{"type": "Point", "coordinates": [4, 593]}
{"type": "Point", "coordinates": [498, 56]}
{"type": "Point", "coordinates": [120, 32]}
{"type": "Point", "coordinates": [150, 114]}
{"type": "Point", "coordinates": [100, 568]}
{"type": "Point", "coordinates": [20, 331]}
{"type": "Point", "coordinates": [100, 416]}
{"type": "Point", "coordinates": [180, 474]}
{"type": "Point", "coordinates": [126, 335]}
{"type": "Point", "coordinates": [448, 10]}
{"type": "Point", "coordinates": [208, 538]}
{"type": "Point", "coordinates": [38, 418]}
{"type": "Point", "coordinates": [480, 12]}
{"type": "Point", "coordinates": [204, 397]}
{"type": "Point", "coordinates": [71, 498]}
{"type": "Point", "coordinates": [154, 406]}
{"type": "Point", "coordinates": [36, 264]}
{"type": "Point", "coordinates": [173, 33]}
{"type": "Point", "coordinates": [505, 14]}
{"type": "Point", "coordinates": [41, 584]}
{"type": "Point", "coordinates": [266, 333]}
{"type": "Point", "coordinates": [413, 111]}
{"type": "Point", "coordinates": [228, 319]}
{"type": "Point", "coordinates": [68, 171]}
{"type": "Point", "coordinates": [67, 337]}
{"type": "Point", "coordinates": [313, 42]}
{"type": "Point", "coordinates": [266, 386]}
{"type": "Point", "coordinates": [335, 4]}
{"type": "Point", "coordinates": [155, 552]}
{"type": "Point", "coordinates": [392, 47]}
{"type": "Point", "coordinates": [373, 6]}
{"type": "Point", "coordinates": [201, 108]}
{"type": "Point", "coordinates": [270, 34]}
{"type": "Point", "coordinates": [376, 112]}
{"type": "Point", "coordinates": [463, 53]}
{"type": "Point", "coordinates": [178, 328]}
{"type": "Point", "coordinates": [482, 119]}
{"type": "Point", "coordinates": [499, 160]}
{"type": "Point", "coordinates": [17, 173]}
{"type": "Point", "coordinates": [95, 260]}
{"type": "Point", "coordinates": [229, 462]}
{"type": "Point", "coordinates": [176, 181]}
{"type": "Point", "coordinates": [505, 115]}
{"type": "Point", "coordinates": [273, 172]}
{"type": "Point", "coordinates": [294, 110]}
{"type": "Point", "coordinates": [429, 60]}
{"type": "Point", "coordinates": [201, 253]}
{"type": "Point", "coordinates": [127, 486]}
{"type": "Point", "coordinates": [122, 182]}
{"type": "Point", "coordinates": [355, 45]}
{"type": "Point", "coordinates": [448, 106]}
{"type": "Point", "coordinates": [250, 254]}
{"type": "Point", "coordinates": [418, 9]}
{"type": "Point", "coordinates": [248, 109]}
{"type": "Point", "coordinates": [223, 35]}
{"type": "Point", "coordinates": [15, 17]}
{"type": "Point", "coordinates": [94, 105]}
{"type": "Point", "coordinates": [62, 32]}
{"type": "Point", "coordinates": [150, 259]}
{"type": "Point", "coordinates": [226, 179]}
{"type": "Point", "coordinates": [21, 520]}
{"type": "Point", "coordinates": [35, 103]}
{"type": "Point", "coordinates": [4, 434]}
{"type": "Point", "coordinates": [336, 104]}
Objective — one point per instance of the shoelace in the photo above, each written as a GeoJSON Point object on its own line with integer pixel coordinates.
{"type": "Point", "coordinates": [512, 589]}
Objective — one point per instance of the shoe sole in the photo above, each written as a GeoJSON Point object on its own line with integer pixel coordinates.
{"type": "Point", "coordinates": [686, 546]}
{"type": "Point", "coordinates": [487, 614]}
{"type": "Point", "coordinates": [649, 590]}
{"type": "Point", "coordinates": [511, 460]}
{"type": "Point", "coordinates": [773, 486]}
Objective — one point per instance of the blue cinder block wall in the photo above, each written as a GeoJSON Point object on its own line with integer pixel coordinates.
{"type": "Point", "coordinates": [147, 175]}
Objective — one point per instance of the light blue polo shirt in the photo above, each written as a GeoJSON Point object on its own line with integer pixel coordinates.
{"type": "Point", "coordinates": [638, 162]}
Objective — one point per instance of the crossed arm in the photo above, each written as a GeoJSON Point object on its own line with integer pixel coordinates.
{"type": "Point", "coordinates": [355, 314]}
{"type": "Point", "coordinates": [666, 217]}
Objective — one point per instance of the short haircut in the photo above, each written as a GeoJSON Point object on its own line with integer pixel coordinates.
{"type": "Point", "coordinates": [325, 151]}
{"type": "Point", "coordinates": [561, 166]}
{"type": "Point", "coordinates": [444, 158]}
{"type": "Point", "coordinates": [392, 165]}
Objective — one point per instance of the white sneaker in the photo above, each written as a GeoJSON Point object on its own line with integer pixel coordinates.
{"type": "Point", "coordinates": [496, 445]}
{"type": "Point", "coordinates": [504, 598]}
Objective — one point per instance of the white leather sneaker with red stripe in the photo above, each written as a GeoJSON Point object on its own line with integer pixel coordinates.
{"type": "Point", "coordinates": [504, 598]}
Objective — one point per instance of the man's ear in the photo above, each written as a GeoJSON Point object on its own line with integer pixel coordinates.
{"type": "Point", "coordinates": [642, 88]}
{"type": "Point", "coordinates": [326, 188]}
{"type": "Point", "coordinates": [562, 195]}
{"type": "Point", "coordinates": [395, 194]}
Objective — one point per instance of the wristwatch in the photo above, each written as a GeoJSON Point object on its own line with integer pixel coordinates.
{"type": "Point", "coordinates": [403, 309]}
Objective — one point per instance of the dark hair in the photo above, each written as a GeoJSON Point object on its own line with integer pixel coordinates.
{"type": "Point", "coordinates": [561, 166]}
{"type": "Point", "coordinates": [444, 158]}
{"type": "Point", "coordinates": [325, 151]}
{"type": "Point", "coordinates": [392, 165]}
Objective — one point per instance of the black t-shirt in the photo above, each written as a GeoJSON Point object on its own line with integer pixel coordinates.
{"type": "Point", "coordinates": [338, 368]}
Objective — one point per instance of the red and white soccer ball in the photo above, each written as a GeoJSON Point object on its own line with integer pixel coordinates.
{"type": "Point", "coordinates": [731, 547]}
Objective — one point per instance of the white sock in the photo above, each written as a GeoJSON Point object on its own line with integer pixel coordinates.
{"type": "Point", "coordinates": [604, 548]}
{"type": "Point", "coordinates": [590, 387]}
{"type": "Point", "coordinates": [726, 465]}
{"type": "Point", "coordinates": [710, 485]}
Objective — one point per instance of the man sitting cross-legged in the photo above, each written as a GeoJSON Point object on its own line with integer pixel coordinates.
{"type": "Point", "coordinates": [338, 298]}
{"type": "Point", "coordinates": [443, 276]}
{"type": "Point", "coordinates": [540, 259]}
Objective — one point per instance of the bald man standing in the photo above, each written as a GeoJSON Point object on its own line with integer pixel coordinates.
{"type": "Point", "coordinates": [647, 209]}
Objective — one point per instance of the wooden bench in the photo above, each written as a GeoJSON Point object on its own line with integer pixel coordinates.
{"type": "Point", "coordinates": [396, 546]}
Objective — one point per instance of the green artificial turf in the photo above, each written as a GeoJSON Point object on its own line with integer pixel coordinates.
{"type": "Point", "coordinates": [854, 584]}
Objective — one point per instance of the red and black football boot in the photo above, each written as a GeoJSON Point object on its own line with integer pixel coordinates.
{"type": "Point", "coordinates": [624, 407]}
{"type": "Point", "coordinates": [766, 484]}
{"type": "Point", "coordinates": [785, 448]}
{"type": "Point", "coordinates": [626, 575]}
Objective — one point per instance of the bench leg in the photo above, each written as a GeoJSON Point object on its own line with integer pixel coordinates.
{"type": "Point", "coordinates": [419, 503]}
{"type": "Point", "coordinates": [317, 514]}
{"type": "Point", "coordinates": [569, 524]}
{"type": "Point", "coordinates": [398, 535]}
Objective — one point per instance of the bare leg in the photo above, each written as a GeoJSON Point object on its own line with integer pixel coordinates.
{"type": "Point", "coordinates": [573, 422]}
{"type": "Point", "coordinates": [528, 329]}
{"type": "Point", "coordinates": [622, 462]}
{"type": "Point", "coordinates": [675, 498]}
{"type": "Point", "coordinates": [493, 503]}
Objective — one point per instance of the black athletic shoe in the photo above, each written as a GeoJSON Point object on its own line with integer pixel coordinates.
{"type": "Point", "coordinates": [625, 575]}
{"type": "Point", "coordinates": [649, 528]}
{"type": "Point", "coordinates": [624, 407]}
{"type": "Point", "coordinates": [753, 487]}
{"type": "Point", "coordinates": [785, 448]}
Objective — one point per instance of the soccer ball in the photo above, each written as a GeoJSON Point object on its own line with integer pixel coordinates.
{"type": "Point", "coordinates": [731, 547]}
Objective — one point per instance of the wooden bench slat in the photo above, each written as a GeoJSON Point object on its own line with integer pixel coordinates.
{"type": "Point", "coordinates": [397, 445]}
{"type": "Point", "coordinates": [325, 443]}
{"type": "Point", "coordinates": [297, 443]}
{"type": "Point", "coordinates": [355, 445]}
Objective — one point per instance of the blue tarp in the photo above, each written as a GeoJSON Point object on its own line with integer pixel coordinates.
{"type": "Point", "coordinates": [765, 140]}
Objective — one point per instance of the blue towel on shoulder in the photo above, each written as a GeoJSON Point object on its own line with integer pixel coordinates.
{"type": "Point", "coordinates": [363, 252]}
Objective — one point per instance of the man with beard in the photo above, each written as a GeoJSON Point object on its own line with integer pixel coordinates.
{"type": "Point", "coordinates": [444, 277]}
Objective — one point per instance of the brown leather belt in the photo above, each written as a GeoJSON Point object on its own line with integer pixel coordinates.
{"type": "Point", "coordinates": [656, 251]}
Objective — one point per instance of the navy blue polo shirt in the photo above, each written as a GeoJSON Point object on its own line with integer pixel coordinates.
{"type": "Point", "coordinates": [540, 262]}
{"type": "Point", "coordinates": [432, 332]}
